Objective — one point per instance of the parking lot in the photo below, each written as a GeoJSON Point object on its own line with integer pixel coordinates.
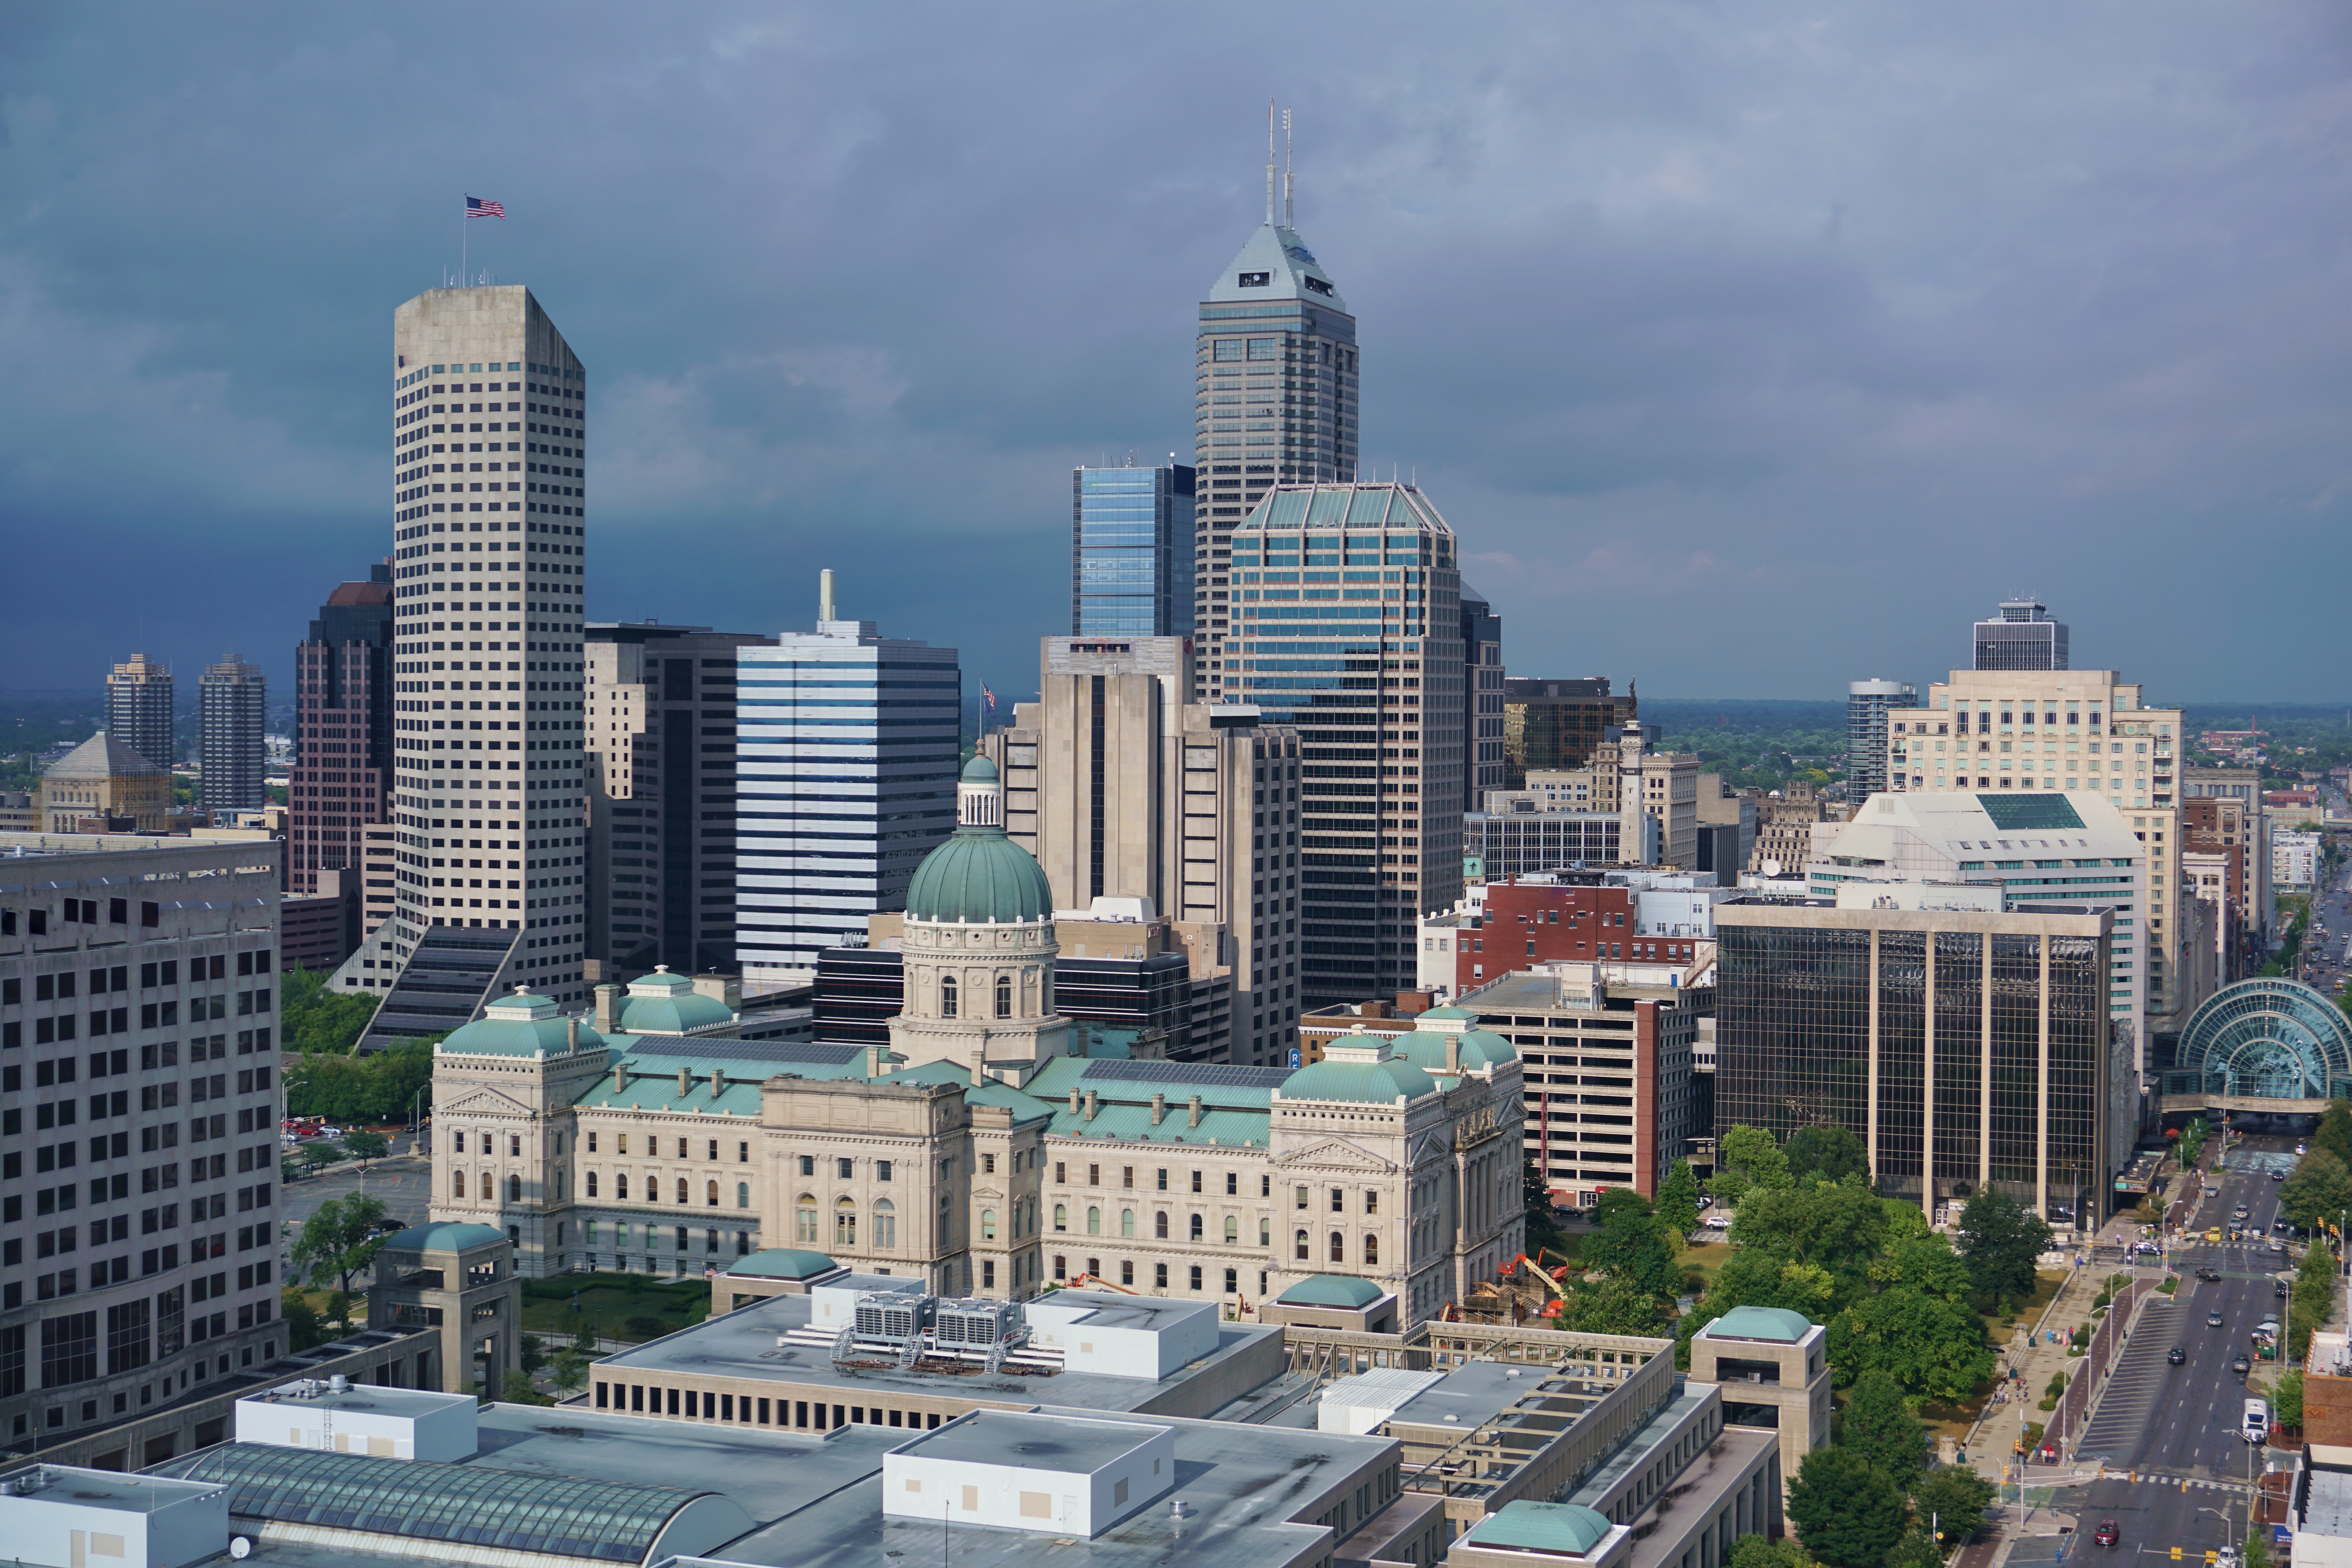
{"type": "Point", "coordinates": [403, 1184]}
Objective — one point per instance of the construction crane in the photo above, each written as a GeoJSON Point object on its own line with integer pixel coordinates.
{"type": "Point", "coordinates": [1087, 1282]}
{"type": "Point", "coordinates": [1552, 1308]}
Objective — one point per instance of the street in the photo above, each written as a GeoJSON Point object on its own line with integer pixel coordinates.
{"type": "Point", "coordinates": [2173, 1430]}
{"type": "Point", "coordinates": [402, 1184]}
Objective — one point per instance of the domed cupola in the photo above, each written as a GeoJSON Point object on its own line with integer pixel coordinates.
{"type": "Point", "coordinates": [979, 874]}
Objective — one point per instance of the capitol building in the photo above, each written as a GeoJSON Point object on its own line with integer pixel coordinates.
{"type": "Point", "coordinates": [985, 1151]}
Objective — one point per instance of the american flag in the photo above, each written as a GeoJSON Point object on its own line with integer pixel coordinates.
{"type": "Point", "coordinates": [991, 696]}
{"type": "Point", "coordinates": [476, 208]}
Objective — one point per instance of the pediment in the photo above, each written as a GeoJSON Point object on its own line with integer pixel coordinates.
{"type": "Point", "coordinates": [481, 1102]}
{"type": "Point", "coordinates": [987, 1194]}
{"type": "Point", "coordinates": [1334, 1154]}
{"type": "Point", "coordinates": [1429, 1150]}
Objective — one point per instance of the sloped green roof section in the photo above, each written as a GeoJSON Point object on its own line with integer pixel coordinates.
{"type": "Point", "coordinates": [1776, 1324]}
{"type": "Point", "coordinates": [1360, 1083]}
{"type": "Point", "coordinates": [1567, 1528]}
{"type": "Point", "coordinates": [784, 1263]}
{"type": "Point", "coordinates": [1344, 1292]}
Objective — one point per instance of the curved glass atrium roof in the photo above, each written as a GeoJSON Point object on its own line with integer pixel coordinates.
{"type": "Point", "coordinates": [474, 1504]}
{"type": "Point", "coordinates": [2268, 1038]}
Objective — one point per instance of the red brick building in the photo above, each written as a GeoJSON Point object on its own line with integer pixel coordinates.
{"type": "Point", "coordinates": [1525, 925]}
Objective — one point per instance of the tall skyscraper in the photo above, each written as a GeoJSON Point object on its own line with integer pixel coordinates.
{"type": "Point", "coordinates": [480, 549]}
{"type": "Point", "coordinates": [1275, 401]}
{"type": "Point", "coordinates": [1131, 552]}
{"type": "Point", "coordinates": [1373, 684]}
{"type": "Point", "coordinates": [1125, 788]}
{"type": "Point", "coordinates": [1552, 725]}
{"type": "Point", "coordinates": [138, 709]}
{"type": "Point", "coordinates": [342, 783]}
{"type": "Point", "coordinates": [846, 751]}
{"type": "Point", "coordinates": [1867, 704]}
{"type": "Point", "coordinates": [233, 707]}
{"type": "Point", "coordinates": [2024, 637]}
{"type": "Point", "coordinates": [1482, 699]}
{"type": "Point", "coordinates": [661, 730]}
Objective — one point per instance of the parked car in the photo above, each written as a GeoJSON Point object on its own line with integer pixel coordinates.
{"type": "Point", "coordinates": [1718, 1222]}
{"type": "Point", "coordinates": [2107, 1534]}
{"type": "Point", "coordinates": [2176, 1355]}
{"type": "Point", "coordinates": [2240, 1366]}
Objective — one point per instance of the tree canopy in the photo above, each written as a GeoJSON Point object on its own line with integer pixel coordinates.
{"type": "Point", "coordinates": [339, 1240]}
{"type": "Point", "coordinates": [313, 1018]}
{"type": "Point", "coordinates": [1827, 1152]}
{"type": "Point", "coordinates": [2001, 1239]}
{"type": "Point", "coordinates": [1847, 1512]}
{"type": "Point", "coordinates": [2319, 1187]}
{"type": "Point", "coordinates": [1956, 1497]}
{"type": "Point", "coordinates": [376, 1087]}
{"type": "Point", "coordinates": [1877, 1424]}
{"type": "Point", "coordinates": [1746, 1157]}
{"type": "Point", "coordinates": [1678, 1205]}
{"type": "Point", "coordinates": [2334, 1132]}
{"type": "Point", "coordinates": [1933, 1347]}
{"type": "Point", "coordinates": [1629, 1244]}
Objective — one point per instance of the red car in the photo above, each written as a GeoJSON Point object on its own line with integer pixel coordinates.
{"type": "Point", "coordinates": [2107, 1534]}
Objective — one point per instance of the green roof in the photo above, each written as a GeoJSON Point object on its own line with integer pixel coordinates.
{"type": "Point", "coordinates": [1477, 1049]}
{"type": "Point", "coordinates": [1449, 1013]}
{"type": "Point", "coordinates": [523, 1025]}
{"type": "Point", "coordinates": [1344, 1291]}
{"type": "Point", "coordinates": [1776, 1324]}
{"type": "Point", "coordinates": [673, 1015]}
{"type": "Point", "coordinates": [1559, 1527]}
{"type": "Point", "coordinates": [784, 1263]}
{"type": "Point", "coordinates": [980, 875]}
{"type": "Point", "coordinates": [448, 1236]}
{"type": "Point", "coordinates": [1362, 1083]}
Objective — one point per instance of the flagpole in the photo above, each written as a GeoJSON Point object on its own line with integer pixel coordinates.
{"type": "Point", "coordinates": [465, 232]}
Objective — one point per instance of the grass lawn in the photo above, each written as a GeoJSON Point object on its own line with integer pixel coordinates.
{"type": "Point", "coordinates": [1707, 1258]}
{"type": "Point", "coordinates": [607, 1303]}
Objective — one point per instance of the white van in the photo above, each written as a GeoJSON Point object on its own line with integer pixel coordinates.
{"type": "Point", "coordinates": [2256, 1425]}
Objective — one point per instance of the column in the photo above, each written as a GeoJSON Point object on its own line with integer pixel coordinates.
{"type": "Point", "coordinates": [2041, 1089]}
{"type": "Point", "coordinates": [1928, 1084]}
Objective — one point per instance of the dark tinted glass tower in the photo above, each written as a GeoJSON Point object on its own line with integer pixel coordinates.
{"type": "Point", "coordinates": [341, 782]}
{"type": "Point", "coordinates": [1131, 552]}
{"type": "Point", "coordinates": [2025, 637]}
{"type": "Point", "coordinates": [1275, 401]}
{"type": "Point", "coordinates": [1482, 693]}
{"type": "Point", "coordinates": [1552, 724]}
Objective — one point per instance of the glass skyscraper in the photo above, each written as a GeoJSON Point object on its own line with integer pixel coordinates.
{"type": "Point", "coordinates": [1131, 552]}
{"type": "Point", "coordinates": [2025, 637]}
{"type": "Point", "coordinates": [1348, 626]}
{"type": "Point", "coordinates": [1866, 706]}
{"type": "Point", "coordinates": [847, 749]}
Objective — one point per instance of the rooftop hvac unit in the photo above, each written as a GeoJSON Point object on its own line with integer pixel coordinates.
{"type": "Point", "coordinates": [978, 1323]}
{"type": "Point", "coordinates": [897, 1319]}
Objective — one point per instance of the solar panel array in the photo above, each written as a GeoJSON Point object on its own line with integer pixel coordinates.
{"type": "Point", "coordinates": [1148, 1071]}
{"type": "Point", "coordinates": [803, 1051]}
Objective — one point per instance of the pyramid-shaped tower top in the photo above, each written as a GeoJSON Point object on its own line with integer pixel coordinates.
{"type": "Point", "coordinates": [1275, 264]}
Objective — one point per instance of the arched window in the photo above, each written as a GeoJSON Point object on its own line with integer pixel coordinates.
{"type": "Point", "coordinates": [1338, 1247]}
{"type": "Point", "coordinates": [1160, 1277]}
{"type": "Point", "coordinates": [806, 1229]}
{"type": "Point", "coordinates": [1126, 1222]}
{"type": "Point", "coordinates": [845, 1223]}
{"type": "Point", "coordinates": [514, 1189]}
{"type": "Point", "coordinates": [1004, 996]}
{"type": "Point", "coordinates": [1301, 1240]}
{"type": "Point", "coordinates": [1094, 1221]}
{"type": "Point", "coordinates": [621, 1185]}
{"type": "Point", "coordinates": [485, 1184]}
{"type": "Point", "coordinates": [885, 1223]}
{"type": "Point", "coordinates": [1266, 1234]}
{"type": "Point", "coordinates": [987, 1225]}
{"type": "Point", "coordinates": [946, 997]}
{"type": "Point", "coordinates": [681, 1190]}
{"type": "Point", "coordinates": [1197, 1224]}
{"type": "Point", "coordinates": [591, 1183]}
{"type": "Point", "coordinates": [711, 1194]}
{"type": "Point", "coordinates": [1160, 1225]}
{"type": "Point", "coordinates": [742, 1195]}
{"type": "Point", "coordinates": [1371, 1248]}
{"type": "Point", "coordinates": [1233, 1231]}
{"type": "Point", "coordinates": [1061, 1216]}
{"type": "Point", "coordinates": [456, 1184]}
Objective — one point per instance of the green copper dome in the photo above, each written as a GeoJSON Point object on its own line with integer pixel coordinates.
{"type": "Point", "coordinates": [979, 875]}
{"type": "Point", "coordinates": [1365, 1083]}
{"type": "Point", "coordinates": [1477, 1050]}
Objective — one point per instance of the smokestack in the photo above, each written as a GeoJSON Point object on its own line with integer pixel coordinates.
{"type": "Point", "coordinates": [824, 595]}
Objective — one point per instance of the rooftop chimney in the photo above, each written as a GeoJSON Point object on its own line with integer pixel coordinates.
{"type": "Point", "coordinates": [1090, 1105]}
{"type": "Point", "coordinates": [608, 1009]}
{"type": "Point", "coordinates": [1158, 1109]}
{"type": "Point", "coordinates": [1195, 1120]}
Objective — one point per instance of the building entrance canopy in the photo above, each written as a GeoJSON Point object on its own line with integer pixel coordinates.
{"type": "Point", "coordinates": [2267, 1039]}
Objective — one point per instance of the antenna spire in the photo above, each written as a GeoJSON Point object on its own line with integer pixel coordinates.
{"type": "Point", "coordinates": [1286, 175]}
{"type": "Point", "coordinates": [1269, 161]}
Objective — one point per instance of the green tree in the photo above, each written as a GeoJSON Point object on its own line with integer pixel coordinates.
{"type": "Point", "coordinates": [533, 1353]}
{"type": "Point", "coordinates": [518, 1389]}
{"type": "Point", "coordinates": [1753, 1277]}
{"type": "Point", "coordinates": [1845, 1510]}
{"type": "Point", "coordinates": [318, 1153]}
{"type": "Point", "coordinates": [2334, 1132]}
{"type": "Point", "coordinates": [1627, 1243]}
{"type": "Point", "coordinates": [1535, 1201]}
{"type": "Point", "coordinates": [339, 1240]}
{"type": "Point", "coordinates": [583, 1343]}
{"type": "Point", "coordinates": [1934, 1349]}
{"type": "Point", "coordinates": [570, 1374]}
{"type": "Point", "coordinates": [301, 1320]}
{"type": "Point", "coordinates": [312, 1018]}
{"type": "Point", "coordinates": [1926, 1263]}
{"type": "Point", "coordinates": [1832, 1223]}
{"type": "Point", "coordinates": [2286, 1399]}
{"type": "Point", "coordinates": [1614, 1306]}
{"type": "Point", "coordinates": [2001, 1238]}
{"type": "Point", "coordinates": [1678, 1205]}
{"type": "Point", "coordinates": [1916, 1549]}
{"type": "Point", "coordinates": [2318, 1188]}
{"type": "Point", "coordinates": [1755, 1551]}
{"type": "Point", "coordinates": [1826, 1152]}
{"type": "Point", "coordinates": [1956, 1497]}
{"type": "Point", "coordinates": [1878, 1425]}
{"type": "Point", "coordinates": [363, 1145]}
{"type": "Point", "coordinates": [1746, 1157]}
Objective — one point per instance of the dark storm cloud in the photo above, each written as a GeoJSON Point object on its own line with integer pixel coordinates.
{"type": "Point", "coordinates": [1750, 349]}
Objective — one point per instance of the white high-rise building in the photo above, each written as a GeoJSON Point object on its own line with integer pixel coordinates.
{"type": "Point", "coordinates": [233, 704]}
{"type": "Point", "coordinates": [846, 751]}
{"type": "Point", "coordinates": [489, 410]}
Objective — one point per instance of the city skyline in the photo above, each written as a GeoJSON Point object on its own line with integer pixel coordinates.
{"type": "Point", "coordinates": [1632, 432]}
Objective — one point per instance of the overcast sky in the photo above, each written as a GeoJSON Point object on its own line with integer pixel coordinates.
{"type": "Point", "coordinates": [1749, 348]}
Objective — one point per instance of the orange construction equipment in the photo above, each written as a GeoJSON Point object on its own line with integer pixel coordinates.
{"type": "Point", "coordinates": [1084, 1282]}
{"type": "Point", "coordinates": [1559, 1293]}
